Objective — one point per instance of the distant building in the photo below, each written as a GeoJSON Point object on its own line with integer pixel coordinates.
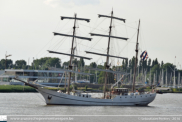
{"type": "Point", "coordinates": [51, 77]}
{"type": "Point", "coordinates": [44, 77]}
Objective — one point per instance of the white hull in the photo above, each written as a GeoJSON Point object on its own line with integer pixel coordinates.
{"type": "Point", "coordinates": [56, 98]}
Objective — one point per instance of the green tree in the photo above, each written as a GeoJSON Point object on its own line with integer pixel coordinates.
{"type": "Point", "coordinates": [81, 63]}
{"type": "Point", "coordinates": [46, 62]}
{"type": "Point", "coordinates": [154, 69]}
{"type": "Point", "coordinates": [9, 63]}
{"type": "Point", "coordinates": [93, 65]}
{"type": "Point", "coordinates": [20, 64]}
{"type": "Point", "coordinates": [149, 62]}
{"type": "Point", "coordinates": [66, 64]}
{"type": "Point", "coordinates": [101, 79]}
{"type": "Point", "coordinates": [162, 63]}
{"type": "Point", "coordinates": [153, 63]}
{"type": "Point", "coordinates": [156, 61]}
{"type": "Point", "coordinates": [75, 62]}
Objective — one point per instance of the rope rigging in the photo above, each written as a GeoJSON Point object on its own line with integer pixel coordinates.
{"type": "Point", "coordinates": [115, 46]}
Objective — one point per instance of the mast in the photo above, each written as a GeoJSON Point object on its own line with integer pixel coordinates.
{"type": "Point", "coordinates": [70, 63]}
{"type": "Point", "coordinates": [145, 75]}
{"type": "Point", "coordinates": [174, 84]}
{"type": "Point", "coordinates": [136, 59]}
{"type": "Point", "coordinates": [108, 47]}
{"type": "Point", "coordinates": [72, 49]}
{"type": "Point", "coordinates": [138, 75]}
{"type": "Point", "coordinates": [162, 77]}
{"type": "Point", "coordinates": [150, 77]}
{"type": "Point", "coordinates": [107, 59]}
{"type": "Point", "coordinates": [166, 77]}
{"type": "Point", "coordinates": [154, 80]}
{"type": "Point", "coordinates": [130, 76]}
{"type": "Point", "coordinates": [178, 78]}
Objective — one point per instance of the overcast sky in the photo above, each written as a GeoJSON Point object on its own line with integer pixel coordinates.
{"type": "Point", "coordinates": [26, 28]}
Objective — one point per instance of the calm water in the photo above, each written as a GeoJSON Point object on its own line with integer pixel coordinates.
{"type": "Point", "coordinates": [33, 104]}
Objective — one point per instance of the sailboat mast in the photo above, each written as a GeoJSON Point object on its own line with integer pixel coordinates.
{"type": "Point", "coordinates": [107, 59]}
{"type": "Point", "coordinates": [136, 59]}
{"type": "Point", "coordinates": [166, 77]}
{"type": "Point", "coordinates": [70, 64]}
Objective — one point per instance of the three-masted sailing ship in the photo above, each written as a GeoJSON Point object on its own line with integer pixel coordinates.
{"type": "Point", "coordinates": [119, 96]}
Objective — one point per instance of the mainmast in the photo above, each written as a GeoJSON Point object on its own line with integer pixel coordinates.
{"type": "Point", "coordinates": [107, 59]}
{"type": "Point", "coordinates": [70, 64]}
{"type": "Point", "coordinates": [108, 47]}
{"type": "Point", "coordinates": [133, 88]}
{"type": "Point", "coordinates": [72, 49]}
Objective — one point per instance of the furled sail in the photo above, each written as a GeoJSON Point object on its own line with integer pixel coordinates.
{"type": "Point", "coordinates": [79, 37]}
{"type": "Point", "coordinates": [113, 17]}
{"type": "Point", "coordinates": [93, 34]}
{"type": "Point", "coordinates": [69, 54]}
{"type": "Point", "coordinates": [105, 55]}
{"type": "Point", "coordinates": [88, 20]}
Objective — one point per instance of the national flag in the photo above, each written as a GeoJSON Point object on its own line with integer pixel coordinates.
{"type": "Point", "coordinates": [144, 55]}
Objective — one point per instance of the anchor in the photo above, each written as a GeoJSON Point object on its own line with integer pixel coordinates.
{"type": "Point", "coordinates": [49, 97]}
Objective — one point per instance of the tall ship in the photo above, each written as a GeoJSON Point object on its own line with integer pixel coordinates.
{"type": "Point", "coordinates": [116, 96]}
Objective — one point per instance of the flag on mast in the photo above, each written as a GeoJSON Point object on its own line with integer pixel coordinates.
{"type": "Point", "coordinates": [144, 55]}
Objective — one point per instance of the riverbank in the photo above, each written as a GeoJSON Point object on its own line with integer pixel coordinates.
{"type": "Point", "coordinates": [171, 90]}
{"type": "Point", "coordinates": [20, 88]}
{"type": "Point", "coordinates": [15, 88]}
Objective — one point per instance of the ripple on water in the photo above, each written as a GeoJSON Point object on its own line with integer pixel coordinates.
{"type": "Point", "coordinates": [33, 104]}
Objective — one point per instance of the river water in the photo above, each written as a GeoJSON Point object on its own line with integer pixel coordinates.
{"type": "Point", "coordinates": [33, 104]}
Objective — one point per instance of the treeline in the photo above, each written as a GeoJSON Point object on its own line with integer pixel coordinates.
{"type": "Point", "coordinates": [148, 69]}
{"type": "Point", "coordinates": [38, 64]}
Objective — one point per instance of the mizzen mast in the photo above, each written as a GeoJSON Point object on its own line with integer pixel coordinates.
{"type": "Point", "coordinates": [133, 88]}
{"type": "Point", "coordinates": [72, 49]}
{"type": "Point", "coordinates": [108, 47]}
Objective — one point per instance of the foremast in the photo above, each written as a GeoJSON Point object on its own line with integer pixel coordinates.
{"type": "Point", "coordinates": [107, 59]}
{"type": "Point", "coordinates": [136, 60]}
{"type": "Point", "coordinates": [109, 38]}
{"type": "Point", "coordinates": [72, 55]}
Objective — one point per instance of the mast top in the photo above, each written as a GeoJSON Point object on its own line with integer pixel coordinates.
{"type": "Point", "coordinates": [62, 18]}
{"type": "Point", "coordinates": [133, 87]}
{"type": "Point", "coordinates": [121, 19]}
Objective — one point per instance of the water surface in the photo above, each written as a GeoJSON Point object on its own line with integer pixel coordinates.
{"type": "Point", "coordinates": [33, 104]}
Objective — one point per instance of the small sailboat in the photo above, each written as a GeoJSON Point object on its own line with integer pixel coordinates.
{"type": "Point", "coordinates": [118, 96]}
